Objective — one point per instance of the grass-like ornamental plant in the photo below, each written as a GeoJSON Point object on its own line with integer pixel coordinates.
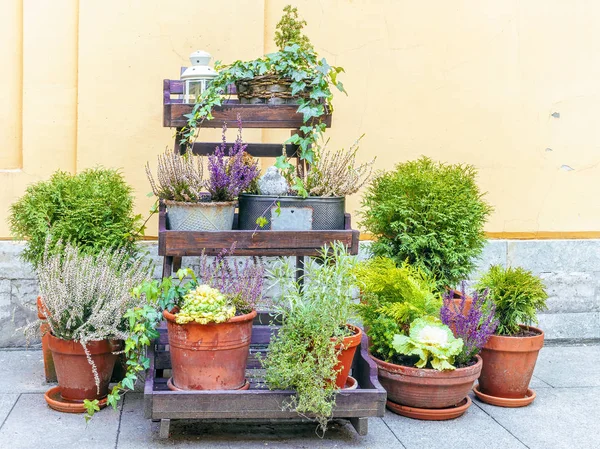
{"type": "Point", "coordinates": [92, 210]}
{"type": "Point", "coordinates": [391, 299]}
{"type": "Point", "coordinates": [474, 324]}
{"type": "Point", "coordinates": [432, 341]}
{"type": "Point", "coordinates": [517, 294]}
{"type": "Point", "coordinates": [303, 354]}
{"type": "Point", "coordinates": [430, 214]}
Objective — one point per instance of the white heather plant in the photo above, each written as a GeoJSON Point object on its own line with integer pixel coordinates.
{"type": "Point", "coordinates": [85, 297]}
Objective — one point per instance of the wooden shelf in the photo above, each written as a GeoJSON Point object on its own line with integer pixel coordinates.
{"type": "Point", "coordinates": [253, 115]}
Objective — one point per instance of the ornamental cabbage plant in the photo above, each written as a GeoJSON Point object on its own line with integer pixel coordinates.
{"type": "Point", "coordinates": [432, 341]}
{"type": "Point", "coordinates": [204, 305]}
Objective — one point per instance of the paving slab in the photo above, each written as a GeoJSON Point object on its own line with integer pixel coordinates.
{"type": "Point", "coordinates": [22, 372]}
{"type": "Point", "coordinates": [569, 366]}
{"type": "Point", "coordinates": [559, 418]}
{"type": "Point", "coordinates": [474, 430]}
{"type": "Point", "coordinates": [7, 401]}
{"type": "Point", "coordinates": [32, 424]}
{"type": "Point", "coordinates": [137, 432]}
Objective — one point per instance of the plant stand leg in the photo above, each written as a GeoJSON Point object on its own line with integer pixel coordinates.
{"type": "Point", "coordinates": [165, 424]}
{"type": "Point", "coordinates": [361, 425]}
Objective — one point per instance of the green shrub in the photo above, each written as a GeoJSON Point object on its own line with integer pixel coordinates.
{"type": "Point", "coordinates": [92, 210]}
{"type": "Point", "coordinates": [430, 214]}
{"type": "Point", "coordinates": [391, 299]}
{"type": "Point", "coordinates": [518, 295]}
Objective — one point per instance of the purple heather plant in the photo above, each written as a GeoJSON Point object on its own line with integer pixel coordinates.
{"type": "Point", "coordinates": [242, 283]}
{"type": "Point", "coordinates": [474, 326]}
{"type": "Point", "coordinates": [232, 174]}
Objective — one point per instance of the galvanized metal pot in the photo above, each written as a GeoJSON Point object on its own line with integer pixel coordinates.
{"type": "Point", "coordinates": [203, 216]}
{"type": "Point", "coordinates": [296, 212]}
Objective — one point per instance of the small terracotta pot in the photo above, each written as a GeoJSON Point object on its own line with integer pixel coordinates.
{"type": "Point", "coordinates": [345, 358]}
{"type": "Point", "coordinates": [508, 364]}
{"type": "Point", "coordinates": [49, 370]}
{"type": "Point", "coordinates": [209, 356]}
{"type": "Point", "coordinates": [426, 388]}
{"type": "Point", "coordinates": [74, 372]}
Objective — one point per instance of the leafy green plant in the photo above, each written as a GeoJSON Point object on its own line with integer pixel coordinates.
{"type": "Point", "coordinates": [204, 305]}
{"type": "Point", "coordinates": [430, 214]}
{"type": "Point", "coordinates": [92, 210]}
{"type": "Point", "coordinates": [303, 354]}
{"type": "Point", "coordinates": [517, 294]}
{"type": "Point", "coordinates": [297, 61]}
{"type": "Point", "coordinates": [432, 341]}
{"type": "Point", "coordinates": [391, 299]}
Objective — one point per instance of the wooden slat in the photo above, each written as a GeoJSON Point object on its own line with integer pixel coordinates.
{"type": "Point", "coordinates": [254, 149]}
{"type": "Point", "coordinates": [253, 115]}
{"type": "Point", "coordinates": [266, 243]}
{"type": "Point", "coordinates": [256, 404]}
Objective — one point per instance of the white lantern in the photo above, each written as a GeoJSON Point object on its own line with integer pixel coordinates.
{"type": "Point", "coordinates": [197, 77]}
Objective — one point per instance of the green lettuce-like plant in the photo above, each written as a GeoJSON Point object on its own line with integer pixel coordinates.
{"type": "Point", "coordinates": [204, 305]}
{"type": "Point", "coordinates": [432, 341]}
{"type": "Point", "coordinates": [430, 214]}
{"type": "Point", "coordinates": [391, 299]}
{"type": "Point", "coordinates": [518, 295]}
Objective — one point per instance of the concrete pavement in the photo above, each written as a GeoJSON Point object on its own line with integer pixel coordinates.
{"type": "Point", "coordinates": [564, 415]}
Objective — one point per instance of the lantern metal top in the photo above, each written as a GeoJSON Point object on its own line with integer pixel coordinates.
{"type": "Point", "coordinates": [199, 68]}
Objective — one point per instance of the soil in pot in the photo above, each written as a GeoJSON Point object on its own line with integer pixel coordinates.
{"type": "Point", "coordinates": [74, 372]}
{"type": "Point", "coordinates": [346, 356]}
{"type": "Point", "coordinates": [209, 356]}
{"type": "Point", "coordinates": [427, 388]}
{"type": "Point", "coordinates": [508, 363]}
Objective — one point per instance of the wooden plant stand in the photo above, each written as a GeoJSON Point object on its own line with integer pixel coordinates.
{"type": "Point", "coordinates": [258, 402]}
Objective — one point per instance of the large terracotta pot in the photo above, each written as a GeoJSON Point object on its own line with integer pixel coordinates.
{"type": "Point", "coordinates": [426, 388]}
{"type": "Point", "coordinates": [209, 356]}
{"type": "Point", "coordinates": [345, 358]}
{"type": "Point", "coordinates": [74, 372]}
{"type": "Point", "coordinates": [508, 364]}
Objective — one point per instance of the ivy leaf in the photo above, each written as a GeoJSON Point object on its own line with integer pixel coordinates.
{"type": "Point", "coordinates": [297, 87]}
{"type": "Point", "coordinates": [281, 162]}
{"type": "Point", "coordinates": [262, 221]}
{"type": "Point", "coordinates": [299, 187]}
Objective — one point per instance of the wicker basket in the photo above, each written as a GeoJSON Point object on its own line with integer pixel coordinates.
{"type": "Point", "coordinates": [200, 216]}
{"type": "Point", "coordinates": [268, 89]}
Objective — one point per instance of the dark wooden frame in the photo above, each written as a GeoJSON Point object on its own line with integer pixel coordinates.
{"type": "Point", "coordinates": [163, 404]}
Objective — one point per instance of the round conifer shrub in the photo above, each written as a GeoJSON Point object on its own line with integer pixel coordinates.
{"type": "Point", "coordinates": [429, 214]}
{"type": "Point", "coordinates": [92, 210]}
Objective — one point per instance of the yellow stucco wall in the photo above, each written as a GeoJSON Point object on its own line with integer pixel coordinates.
{"type": "Point", "coordinates": [462, 81]}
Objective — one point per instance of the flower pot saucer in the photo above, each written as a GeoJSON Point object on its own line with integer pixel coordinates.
{"type": "Point", "coordinates": [172, 386]}
{"type": "Point", "coordinates": [56, 402]}
{"type": "Point", "coordinates": [505, 402]}
{"type": "Point", "coordinates": [430, 414]}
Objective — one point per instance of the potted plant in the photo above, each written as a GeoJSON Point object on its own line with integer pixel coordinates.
{"type": "Point", "coordinates": [84, 300]}
{"type": "Point", "coordinates": [209, 321]}
{"type": "Point", "coordinates": [430, 214]}
{"type": "Point", "coordinates": [293, 74]}
{"type": "Point", "coordinates": [312, 351]}
{"type": "Point", "coordinates": [425, 369]}
{"type": "Point", "coordinates": [320, 188]}
{"type": "Point", "coordinates": [92, 210]}
{"type": "Point", "coordinates": [510, 355]}
{"type": "Point", "coordinates": [180, 184]}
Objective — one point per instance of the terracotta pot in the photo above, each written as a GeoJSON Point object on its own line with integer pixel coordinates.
{"type": "Point", "coordinates": [508, 364]}
{"type": "Point", "coordinates": [426, 388]}
{"type": "Point", "coordinates": [209, 356]}
{"type": "Point", "coordinates": [345, 358]}
{"type": "Point", "coordinates": [75, 375]}
{"type": "Point", "coordinates": [49, 370]}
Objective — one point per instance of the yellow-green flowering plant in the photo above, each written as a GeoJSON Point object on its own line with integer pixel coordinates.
{"type": "Point", "coordinates": [204, 305]}
{"type": "Point", "coordinates": [432, 341]}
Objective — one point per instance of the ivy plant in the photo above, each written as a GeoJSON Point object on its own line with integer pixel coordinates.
{"type": "Point", "coordinates": [297, 61]}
